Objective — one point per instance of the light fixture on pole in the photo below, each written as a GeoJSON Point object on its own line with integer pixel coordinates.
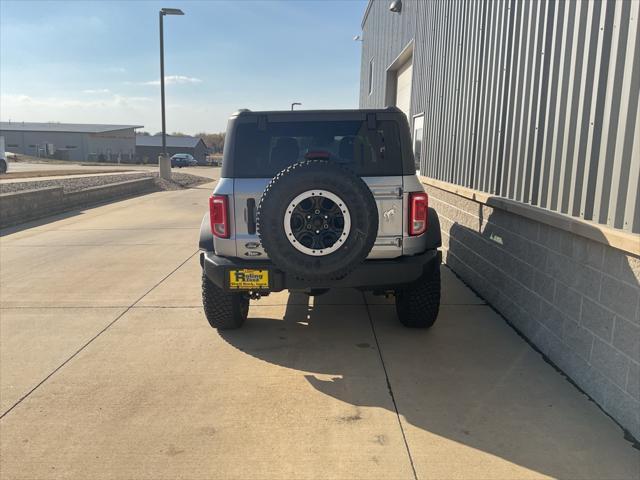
{"type": "Point", "coordinates": [294, 104]}
{"type": "Point", "coordinates": [396, 6]}
{"type": "Point", "coordinates": [165, 164]}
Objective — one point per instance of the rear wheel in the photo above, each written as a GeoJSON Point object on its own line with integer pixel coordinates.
{"type": "Point", "coordinates": [418, 304]}
{"type": "Point", "coordinates": [316, 292]}
{"type": "Point", "coordinates": [223, 310]}
{"type": "Point", "coordinates": [3, 166]}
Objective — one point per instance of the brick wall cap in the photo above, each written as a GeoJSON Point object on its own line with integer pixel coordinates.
{"type": "Point", "coordinates": [626, 241]}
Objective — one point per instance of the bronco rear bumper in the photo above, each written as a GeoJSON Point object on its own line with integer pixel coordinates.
{"type": "Point", "coordinates": [369, 275]}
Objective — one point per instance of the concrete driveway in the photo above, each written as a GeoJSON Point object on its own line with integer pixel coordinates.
{"type": "Point", "coordinates": [109, 370]}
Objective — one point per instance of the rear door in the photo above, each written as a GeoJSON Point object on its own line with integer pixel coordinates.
{"type": "Point", "coordinates": [247, 194]}
{"type": "Point", "coordinates": [388, 194]}
{"type": "Point", "coordinates": [368, 147]}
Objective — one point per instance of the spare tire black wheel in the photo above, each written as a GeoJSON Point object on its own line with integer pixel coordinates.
{"type": "Point", "coordinates": [317, 220]}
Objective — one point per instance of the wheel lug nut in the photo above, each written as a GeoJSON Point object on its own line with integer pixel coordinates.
{"type": "Point", "coordinates": [308, 227]}
{"type": "Point", "coordinates": [317, 231]}
{"type": "Point", "coordinates": [325, 226]}
{"type": "Point", "coordinates": [326, 217]}
{"type": "Point", "coordinates": [317, 212]}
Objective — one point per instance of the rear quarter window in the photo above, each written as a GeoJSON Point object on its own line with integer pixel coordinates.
{"type": "Point", "coordinates": [263, 152]}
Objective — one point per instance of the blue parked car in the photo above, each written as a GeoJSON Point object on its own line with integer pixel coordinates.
{"type": "Point", "coordinates": [183, 160]}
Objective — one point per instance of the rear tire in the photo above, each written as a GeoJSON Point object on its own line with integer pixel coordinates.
{"type": "Point", "coordinates": [350, 190]}
{"type": "Point", "coordinates": [224, 310]}
{"type": "Point", "coordinates": [418, 304]}
{"type": "Point", "coordinates": [316, 292]}
{"type": "Point", "coordinates": [3, 166]}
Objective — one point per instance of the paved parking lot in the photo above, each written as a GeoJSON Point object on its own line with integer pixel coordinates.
{"type": "Point", "coordinates": [109, 370]}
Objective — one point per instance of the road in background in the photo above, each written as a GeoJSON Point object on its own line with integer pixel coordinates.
{"type": "Point", "coordinates": [35, 167]}
{"type": "Point", "coordinates": [41, 171]}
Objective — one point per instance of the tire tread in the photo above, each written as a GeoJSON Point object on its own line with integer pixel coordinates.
{"type": "Point", "coordinates": [418, 305]}
{"type": "Point", "coordinates": [223, 310]}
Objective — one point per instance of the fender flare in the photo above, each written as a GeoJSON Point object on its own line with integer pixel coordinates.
{"type": "Point", "coordinates": [433, 235]}
{"type": "Point", "coordinates": [206, 237]}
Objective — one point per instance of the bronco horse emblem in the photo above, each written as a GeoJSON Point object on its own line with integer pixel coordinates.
{"type": "Point", "coordinates": [389, 213]}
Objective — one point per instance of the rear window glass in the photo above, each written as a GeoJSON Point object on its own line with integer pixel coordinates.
{"type": "Point", "coordinates": [368, 152]}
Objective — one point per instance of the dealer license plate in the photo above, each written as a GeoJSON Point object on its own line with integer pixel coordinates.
{"type": "Point", "coordinates": [247, 279]}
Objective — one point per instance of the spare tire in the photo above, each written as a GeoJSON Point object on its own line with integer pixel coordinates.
{"type": "Point", "coordinates": [317, 220]}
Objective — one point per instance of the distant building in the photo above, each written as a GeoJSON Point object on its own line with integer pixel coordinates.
{"type": "Point", "coordinates": [71, 141]}
{"type": "Point", "coordinates": [150, 147]}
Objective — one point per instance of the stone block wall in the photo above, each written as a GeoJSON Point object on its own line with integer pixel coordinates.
{"type": "Point", "coordinates": [26, 205]}
{"type": "Point", "coordinates": [575, 298]}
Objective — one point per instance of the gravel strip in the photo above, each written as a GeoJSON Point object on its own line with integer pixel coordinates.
{"type": "Point", "coordinates": [179, 181]}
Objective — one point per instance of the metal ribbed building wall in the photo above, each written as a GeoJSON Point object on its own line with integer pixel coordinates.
{"type": "Point", "coordinates": [535, 101]}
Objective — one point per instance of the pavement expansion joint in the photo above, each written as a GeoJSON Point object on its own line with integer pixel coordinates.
{"type": "Point", "coordinates": [87, 343]}
{"type": "Point", "coordinates": [390, 388]}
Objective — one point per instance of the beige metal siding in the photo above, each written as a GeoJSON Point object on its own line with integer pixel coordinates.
{"type": "Point", "coordinates": [534, 101]}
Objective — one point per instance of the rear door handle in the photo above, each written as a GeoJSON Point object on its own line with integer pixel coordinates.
{"type": "Point", "coordinates": [251, 216]}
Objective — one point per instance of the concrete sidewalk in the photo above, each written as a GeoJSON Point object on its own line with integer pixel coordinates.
{"type": "Point", "coordinates": [108, 369]}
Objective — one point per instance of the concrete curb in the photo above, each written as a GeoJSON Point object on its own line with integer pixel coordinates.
{"type": "Point", "coordinates": [27, 205]}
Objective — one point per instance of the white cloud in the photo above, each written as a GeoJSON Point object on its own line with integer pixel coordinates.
{"type": "Point", "coordinates": [98, 90]}
{"type": "Point", "coordinates": [174, 80]}
{"type": "Point", "coordinates": [187, 116]}
{"type": "Point", "coordinates": [11, 101]}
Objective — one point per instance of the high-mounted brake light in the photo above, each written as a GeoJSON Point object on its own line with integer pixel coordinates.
{"type": "Point", "coordinates": [418, 209]}
{"type": "Point", "coordinates": [317, 155]}
{"type": "Point", "coordinates": [219, 215]}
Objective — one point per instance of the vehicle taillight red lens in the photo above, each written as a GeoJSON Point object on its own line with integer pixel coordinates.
{"type": "Point", "coordinates": [418, 208]}
{"type": "Point", "coordinates": [219, 215]}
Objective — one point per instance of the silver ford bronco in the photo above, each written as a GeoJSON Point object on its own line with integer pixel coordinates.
{"type": "Point", "coordinates": [314, 200]}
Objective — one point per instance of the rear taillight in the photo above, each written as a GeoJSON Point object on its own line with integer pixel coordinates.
{"type": "Point", "coordinates": [219, 215]}
{"type": "Point", "coordinates": [418, 208]}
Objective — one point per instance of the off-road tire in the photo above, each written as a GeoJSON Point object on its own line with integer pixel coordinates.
{"type": "Point", "coordinates": [324, 175]}
{"type": "Point", "coordinates": [3, 166]}
{"type": "Point", "coordinates": [316, 292]}
{"type": "Point", "coordinates": [418, 304]}
{"type": "Point", "coordinates": [224, 310]}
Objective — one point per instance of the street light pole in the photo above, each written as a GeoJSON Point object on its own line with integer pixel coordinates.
{"type": "Point", "coordinates": [164, 124]}
{"type": "Point", "coordinates": [163, 161]}
{"type": "Point", "coordinates": [294, 104]}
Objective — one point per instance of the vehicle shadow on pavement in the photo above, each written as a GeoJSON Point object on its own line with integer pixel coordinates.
{"type": "Point", "coordinates": [573, 297]}
{"type": "Point", "coordinates": [470, 379]}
